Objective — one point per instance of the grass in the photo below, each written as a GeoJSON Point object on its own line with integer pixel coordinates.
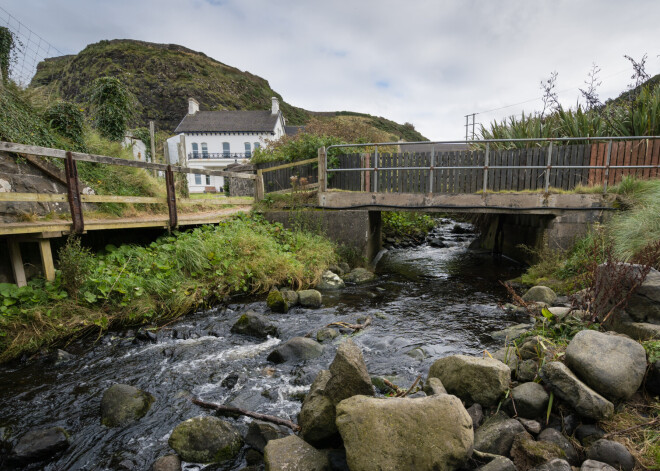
{"type": "Point", "coordinates": [178, 273]}
{"type": "Point", "coordinates": [404, 225]}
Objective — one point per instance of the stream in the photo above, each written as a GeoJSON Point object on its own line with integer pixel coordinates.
{"type": "Point", "coordinates": [426, 303]}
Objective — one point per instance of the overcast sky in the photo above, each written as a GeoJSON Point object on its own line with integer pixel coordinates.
{"type": "Point", "coordinates": [425, 62]}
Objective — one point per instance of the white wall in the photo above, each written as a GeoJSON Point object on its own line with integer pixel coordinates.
{"type": "Point", "coordinates": [139, 147]}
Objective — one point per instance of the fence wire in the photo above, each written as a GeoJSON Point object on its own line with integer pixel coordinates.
{"type": "Point", "coordinates": [29, 49]}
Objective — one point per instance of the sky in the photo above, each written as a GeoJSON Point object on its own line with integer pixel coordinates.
{"type": "Point", "coordinates": [428, 63]}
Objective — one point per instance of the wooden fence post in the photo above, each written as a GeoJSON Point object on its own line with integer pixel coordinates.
{"type": "Point", "coordinates": [323, 171]}
{"type": "Point", "coordinates": [259, 189]}
{"type": "Point", "coordinates": [548, 168]}
{"type": "Point", "coordinates": [171, 197]}
{"type": "Point", "coordinates": [73, 190]}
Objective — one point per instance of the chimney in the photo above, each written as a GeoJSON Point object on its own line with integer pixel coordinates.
{"type": "Point", "coordinates": [193, 106]}
{"type": "Point", "coordinates": [276, 106]}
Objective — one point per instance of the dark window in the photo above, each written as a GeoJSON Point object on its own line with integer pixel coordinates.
{"type": "Point", "coordinates": [195, 150]}
{"type": "Point", "coordinates": [198, 179]}
{"type": "Point", "coordinates": [225, 149]}
{"type": "Point", "coordinates": [205, 151]}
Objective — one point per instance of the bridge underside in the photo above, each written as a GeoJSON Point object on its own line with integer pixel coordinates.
{"type": "Point", "coordinates": [489, 203]}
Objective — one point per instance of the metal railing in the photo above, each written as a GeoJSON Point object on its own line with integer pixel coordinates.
{"type": "Point", "coordinates": [219, 155]}
{"type": "Point", "coordinates": [484, 145]}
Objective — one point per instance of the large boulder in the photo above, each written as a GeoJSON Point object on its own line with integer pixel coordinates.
{"type": "Point", "coordinates": [349, 375]}
{"type": "Point", "coordinates": [612, 453]}
{"type": "Point", "coordinates": [586, 402]}
{"type": "Point", "coordinates": [254, 325]}
{"type": "Point", "coordinates": [40, 445]}
{"type": "Point", "coordinates": [122, 404]}
{"type": "Point", "coordinates": [527, 453]}
{"type": "Point", "coordinates": [610, 364]}
{"type": "Point", "coordinates": [359, 276]}
{"type": "Point", "coordinates": [433, 433]}
{"type": "Point", "coordinates": [294, 454]}
{"type": "Point", "coordinates": [644, 304]}
{"type": "Point", "coordinates": [296, 349]}
{"type": "Point", "coordinates": [260, 433]}
{"type": "Point", "coordinates": [499, 463]}
{"type": "Point", "coordinates": [327, 333]}
{"type": "Point", "coordinates": [330, 281]}
{"type": "Point", "coordinates": [482, 380]}
{"type": "Point", "coordinates": [317, 415]}
{"type": "Point", "coordinates": [496, 435]}
{"type": "Point", "coordinates": [276, 302]}
{"type": "Point", "coordinates": [310, 298]}
{"type": "Point", "coordinates": [554, 436]}
{"type": "Point", "coordinates": [529, 400]}
{"type": "Point", "coordinates": [206, 439]}
{"type": "Point", "coordinates": [540, 294]}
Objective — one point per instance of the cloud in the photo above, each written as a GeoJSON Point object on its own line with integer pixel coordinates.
{"type": "Point", "coordinates": [422, 61]}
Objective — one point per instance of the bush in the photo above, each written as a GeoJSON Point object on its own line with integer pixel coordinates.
{"type": "Point", "coordinates": [112, 105]}
{"type": "Point", "coordinates": [67, 120]}
{"type": "Point", "coordinates": [75, 264]}
{"type": "Point", "coordinates": [406, 224]}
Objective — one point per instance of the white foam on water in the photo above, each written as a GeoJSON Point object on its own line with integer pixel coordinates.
{"type": "Point", "coordinates": [231, 354]}
{"type": "Point", "coordinates": [176, 342]}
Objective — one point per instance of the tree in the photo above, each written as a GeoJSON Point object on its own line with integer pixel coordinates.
{"type": "Point", "coordinates": [8, 54]}
{"type": "Point", "coordinates": [113, 106]}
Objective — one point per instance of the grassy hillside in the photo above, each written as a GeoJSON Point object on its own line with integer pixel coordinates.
{"type": "Point", "coordinates": [164, 76]}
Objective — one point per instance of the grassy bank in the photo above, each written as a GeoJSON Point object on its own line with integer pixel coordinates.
{"type": "Point", "coordinates": [178, 273]}
{"type": "Point", "coordinates": [406, 225]}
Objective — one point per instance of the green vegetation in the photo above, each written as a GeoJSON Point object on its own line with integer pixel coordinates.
{"type": "Point", "coordinates": [404, 225]}
{"type": "Point", "coordinates": [132, 285]}
{"type": "Point", "coordinates": [68, 121]}
{"type": "Point", "coordinates": [7, 52]}
{"type": "Point", "coordinates": [112, 107]}
{"type": "Point", "coordinates": [293, 148]}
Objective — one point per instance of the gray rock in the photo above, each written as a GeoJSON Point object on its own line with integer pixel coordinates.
{"type": "Point", "coordinates": [336, 269]}
{"type": "Point", "coordinates": [122, 404]}
{"type": "Point", "coordinates": [512, 332]}
{"type": "Point", "coordinates": [556, 464]}
{"type": "Point", "coordinates": [417, 353]}
{"type": "Point", "coordinates": [276, 302]}
{"type": "Point", "coordinates": [476, 414]}
{"type": "Point", "coordinates": [612, 453]}
{"type": "Point", "coordinates": [533, 348]}
{"type": "Point", "coordinates": [482, 380]}
{"type": "Point", "coordinates": [636, 330]}
{"type": "Point", "coordinates": [553, 436]}
{"type": "Point", "coordinates": [326, 333]}
{"type": "Point", "coordinates": [527, 371]}
{"type": "Point", "coordinates": [40, 445]}
{"type": "Point", "coordinates": [60, 357]}
{"type": "Point", "coordinates": [206, 439]}
{"type": "Point", "coordinates": [527, 453]}
{"type": "Point", "coordinates": [310, 298]}
{"type": "Point", "coordinates": [540, 294]}
{"type": "Point", "coordinates": [593, 465]}
{"type": "Point", "coordinates": [644, 304]}
{"type": "Point", "coordinates": [500, 463]}
{"type": "Point", "coordinates": [330, 281]}
{"type": "Point", "coordinates": [528, 400]}
{"type": "Point", "coordinates": [532, 426]}
{"type": "Point", "coordinates": [260, 433]}
{"type": "Point", "coordinates": [359, 276]}
{"type": "Point", "coordinates": [496, 435]}
{"type": "Point", "coordinates": [294, 454]}
{"type": "Point", "coordinates": [254, 325]}
{"type": "Point", "coordinates": [587, 434]}
{"type": "Point", "coordinates": [612, 365]}
{"type": "Point", "coordinates": [344, 267]}
{"type": "Point", "coordinates": [366, 426]}
{"type": "Point", "coordinates": [569, 388]}
{"type": "Point", "coordinates": [317, 415]}
{"type": "Point", "coordinates": [167, 463]}
{"type": "Point", "coordinates": [507, 355]}
{"type": "Point", "coordinates": [296, 349]}
{"type": "Point", "coordinates": [434, 386]}
{"type": "Point", "coordinates": [290, 296]}
{"type": "Point", "coordinates": [349, 375]}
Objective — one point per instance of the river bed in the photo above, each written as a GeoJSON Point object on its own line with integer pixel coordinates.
{"type": "Point", "coordinates": [426, 303]}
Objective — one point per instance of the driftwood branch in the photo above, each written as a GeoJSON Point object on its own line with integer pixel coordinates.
{"type": "Point", "coordinates": [228, 410]}
{"type": "Point", "coordinates": [354, 327]}
{"type": "Point", "coordinates": [405, 393]}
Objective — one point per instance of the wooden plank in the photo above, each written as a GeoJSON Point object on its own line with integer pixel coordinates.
{"type": "Point", "coordinates": [17, 263]}
{"type": "Point", "coordinates": [529, 158]}
{"type": "Point", "coordinates": [38, 197]}
{"type": "Point", "coordinates": [47, 259]}
{"type": "Point", "coordinates": [224, 200]}
{"type": "Point", "coordinates": [289, 165]}
{"type": "Point", "coordinates": [655, 160]}
{"type": "Point", "coordinates": [585, 159]}
{"type": "Point", "coordinates": [122, 199]}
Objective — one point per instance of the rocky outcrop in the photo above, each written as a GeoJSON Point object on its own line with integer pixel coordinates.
{"type": "Point", "coordinates": [296, 349]}
{"type": "Point", "coordinates": [586, 402]}
{"type": "Point", "coordinates": [612, 365]}
{"type": "Point", "coordinates": [433, 432]}
{"type": "Point", "coordinates": [317, 415]}
{"type": "Point", "coordinates": [122, 404]}
{"type": "Point", "coordinates": [254, 325]}
{"type": "Point", "coordinates": [40, 445]}
{"type": "Point", "coordinates": [206, 439]}
{"type": "Point", "coordinates": [330, 281]}
{"type": "Point", "coordinates": [482, 380]}
{"type": "Point", "coordinates": [294, 454]}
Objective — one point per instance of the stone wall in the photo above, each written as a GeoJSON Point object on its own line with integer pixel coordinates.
{"type": "Point", "coordinates": [240, 186]}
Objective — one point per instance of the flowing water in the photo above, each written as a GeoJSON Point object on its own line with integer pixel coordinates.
{"type": "Point", "coordinates": [427, 303]}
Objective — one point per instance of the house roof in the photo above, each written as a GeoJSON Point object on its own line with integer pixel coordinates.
{"type": "Point", "coordinates": [293, 130]}
{"type": "Point", "coordinates": [228, 121]}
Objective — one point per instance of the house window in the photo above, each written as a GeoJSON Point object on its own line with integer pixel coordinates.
{"type": "Point", "coordinates": [208, 180]}
{"type": "Point", "coordinates": [205, 151]}
{"type": "Point", "coordinates": [225, 149]}
{"type": "Point", "coordinates": [195, 150]}
{"type": "Point", "coordinates": [256, 145]}
{"type": "Point", "coordinates": [248, 151]}
{"type": "Point", "coordinates": [198, 179]}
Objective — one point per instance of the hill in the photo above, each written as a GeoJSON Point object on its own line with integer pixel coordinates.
{"type": "Point", "coordinates": [163, 76]}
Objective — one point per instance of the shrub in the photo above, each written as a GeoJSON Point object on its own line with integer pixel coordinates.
{"type": "Point", "coordinates": [112, 105]}
{"type": "Point", "coordinates": [75, 263]}
{"type": "Point", "coordinates": [68, 120]}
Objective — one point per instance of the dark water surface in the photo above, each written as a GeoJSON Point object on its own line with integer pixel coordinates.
{"type": "Point", "coordinates": [440, 301]}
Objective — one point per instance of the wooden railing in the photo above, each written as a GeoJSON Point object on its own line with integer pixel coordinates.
{"type": "Point", "coordinates": [280, 180]}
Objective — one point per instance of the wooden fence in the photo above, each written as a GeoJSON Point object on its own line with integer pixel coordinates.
{"type": "Point", "coordinates": [281, 177]}
{"type": "Point", "coordinates": [528, 169]}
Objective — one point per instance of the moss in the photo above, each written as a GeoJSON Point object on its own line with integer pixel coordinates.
{"type": "Point", "coordinates": [276, 302]}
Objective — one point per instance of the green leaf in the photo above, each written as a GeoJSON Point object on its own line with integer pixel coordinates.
{"type": "Point", "coordinates": [547, 314]}
{"type": "Point", "coordinates": [547, 415]}
{"type": "Point", "coordinates": [89, 297]}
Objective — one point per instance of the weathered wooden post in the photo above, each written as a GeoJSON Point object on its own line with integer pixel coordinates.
{"type": "Point", "coordinates": [171, 197]}
{"type": "Point", "coordinates": [73, 190]}
{"type": "Point", "coordinates": [323, 171]}
{"type": "Point", "coordinates": [606, 175]}
{"type": "Point", "coordinates": [548, 168]}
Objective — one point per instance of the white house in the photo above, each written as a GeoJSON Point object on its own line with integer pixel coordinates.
{"type": "Point", "coordinates": [215, 139]}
